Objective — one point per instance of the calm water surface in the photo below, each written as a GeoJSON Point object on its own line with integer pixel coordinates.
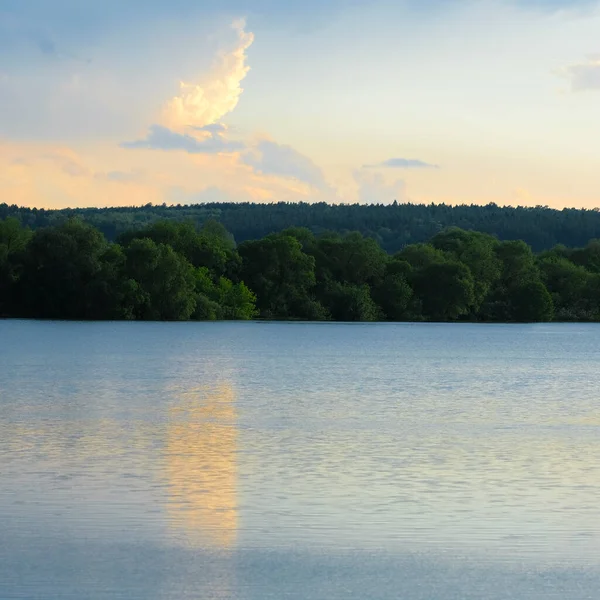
{"type": "Point", "coordinates": [299, 461]}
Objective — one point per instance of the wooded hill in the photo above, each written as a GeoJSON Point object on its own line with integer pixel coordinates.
{"type": "Point", "coordinates": [392, 226]}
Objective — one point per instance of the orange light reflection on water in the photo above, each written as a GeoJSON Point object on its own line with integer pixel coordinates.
{"type": "Point", "coordinates": [201, 468]}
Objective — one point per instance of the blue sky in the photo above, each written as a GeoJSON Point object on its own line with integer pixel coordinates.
{"type": "Point", "coordinates": [128, 102]}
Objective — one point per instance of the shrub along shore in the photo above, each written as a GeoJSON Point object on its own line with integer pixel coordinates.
{"type": "Point", "coordinates": [178, 271]}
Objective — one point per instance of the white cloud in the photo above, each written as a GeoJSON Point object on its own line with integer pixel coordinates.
{"type": "Point", "coordinates": [584, 76]}
{"type": "Point", "coordinates": [206, 102]}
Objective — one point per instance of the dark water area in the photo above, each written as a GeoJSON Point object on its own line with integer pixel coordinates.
{"type": "Point", "coordinates": [251, 461]}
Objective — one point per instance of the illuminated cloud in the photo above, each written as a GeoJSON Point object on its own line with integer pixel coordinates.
{"type": "Point", "coordinates": [271, 158]}
{"type": "Point", "coordinates": [584, 76]}
{"type": "Point", "coordinates": [204, 103]}
{"type": "Point", "coordinates": [402, 163]}
{"type": "Point", "coordinates": [162, 138]}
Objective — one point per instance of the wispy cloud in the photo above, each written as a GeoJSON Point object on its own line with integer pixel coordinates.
{"type": "Point", "coordinates": [163, 138]}
{"type": "Point", "coordinates": [374, 189]}
{"type": "Point", "coordinates": [271, 158]}
{"type": "Point", "coordinates": [207, 101]}
{"type": "Point", "coordinates": [120, 176]}
{"type": "Point", "coordinates": [584, 76]}
{"type": "Point", "coordinates": [402, 163]}
{"type": "Point", "coordinates": [68, 162]}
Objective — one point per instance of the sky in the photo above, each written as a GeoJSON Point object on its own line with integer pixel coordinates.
{"type": "Point", "coordinates": [125, 102]}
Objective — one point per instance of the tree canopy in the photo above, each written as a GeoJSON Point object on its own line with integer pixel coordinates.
{"type": "Point", "coordinates": [171, 270]}
{"type": "Point", "coordinates": [392, 226]}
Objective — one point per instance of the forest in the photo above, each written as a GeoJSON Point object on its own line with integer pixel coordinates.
{"type": "Point", "coordinates": [393, 226]}
{"type": "Point", "coordinates": [170, 270]}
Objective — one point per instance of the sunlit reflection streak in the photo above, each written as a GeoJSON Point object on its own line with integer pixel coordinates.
{"type": "Point", "coordinates": [202, 469]}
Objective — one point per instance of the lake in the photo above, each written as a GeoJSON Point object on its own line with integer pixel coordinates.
{"type": "Point", "coordinates": [253, 461]}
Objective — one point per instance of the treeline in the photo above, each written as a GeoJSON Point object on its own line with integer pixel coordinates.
{"type": "Point", "coordinates": [176, 271]}
{"type": "Point", "coordinates": [392, 226]}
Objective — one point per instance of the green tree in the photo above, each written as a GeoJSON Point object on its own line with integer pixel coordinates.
{"type": "Point", "coordinates": [305, 236]}
{"type": "Point", "coordinates": [165, 280]}
{"type": "Point", "coordinates": [588, 257]}
{"type": "Point", "coordinates": [13, 236]}
{"type": "Point", "coordinates": [280, 274]}
{"type": "Point", "coordinates": [420, 256]}
{"type": "Point", "coordinates": [572, 288]}
{"type": "Point", "coordinates": [394, 294]}
{"type": "Point", "coordinates": [478, 252]}
{"type": "Point", "coordinates": [216, 232]}
{"type": "Point", "coordinates": [518, 268]}
{"type": "Point", "coordinates": [207, 305]}
{"type": "Point", "coordinates": [351, 259]}
{"type": "Point", "coordinates": [531, 302]}
{"type": "Point", "coordinates": [236, 300]}
{"type": "Point", "coordinates": [111, 294]}
{"type": "Point", "coordinates": [211, 247]}
{"type": "Point", "coordinates": [446, 290]}
{"type": "Point", "coordinates": [222, 300]}
{"type": "Point", "coordinates": [170, 270]}
{"type": "Point", "coordinates": [13, 243]}
{"type": "Point", "coordinates": [347, 302]}
{"type": "Point", "coordinates": [60, 266]}
{"type": "Point", "coordinates": [518, 263]}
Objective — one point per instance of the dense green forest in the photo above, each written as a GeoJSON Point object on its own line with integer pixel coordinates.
{"type": "Point", "coordinates": [177, 271]}
{"type": "Point", "coordinates": [392, 226]}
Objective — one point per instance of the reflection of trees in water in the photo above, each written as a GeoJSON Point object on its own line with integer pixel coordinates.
{"type": "Point", "coordinates": [201, 467]}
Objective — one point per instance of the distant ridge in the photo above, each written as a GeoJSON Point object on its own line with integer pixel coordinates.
{"type": "Point", "coordinates": [393, 226]}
